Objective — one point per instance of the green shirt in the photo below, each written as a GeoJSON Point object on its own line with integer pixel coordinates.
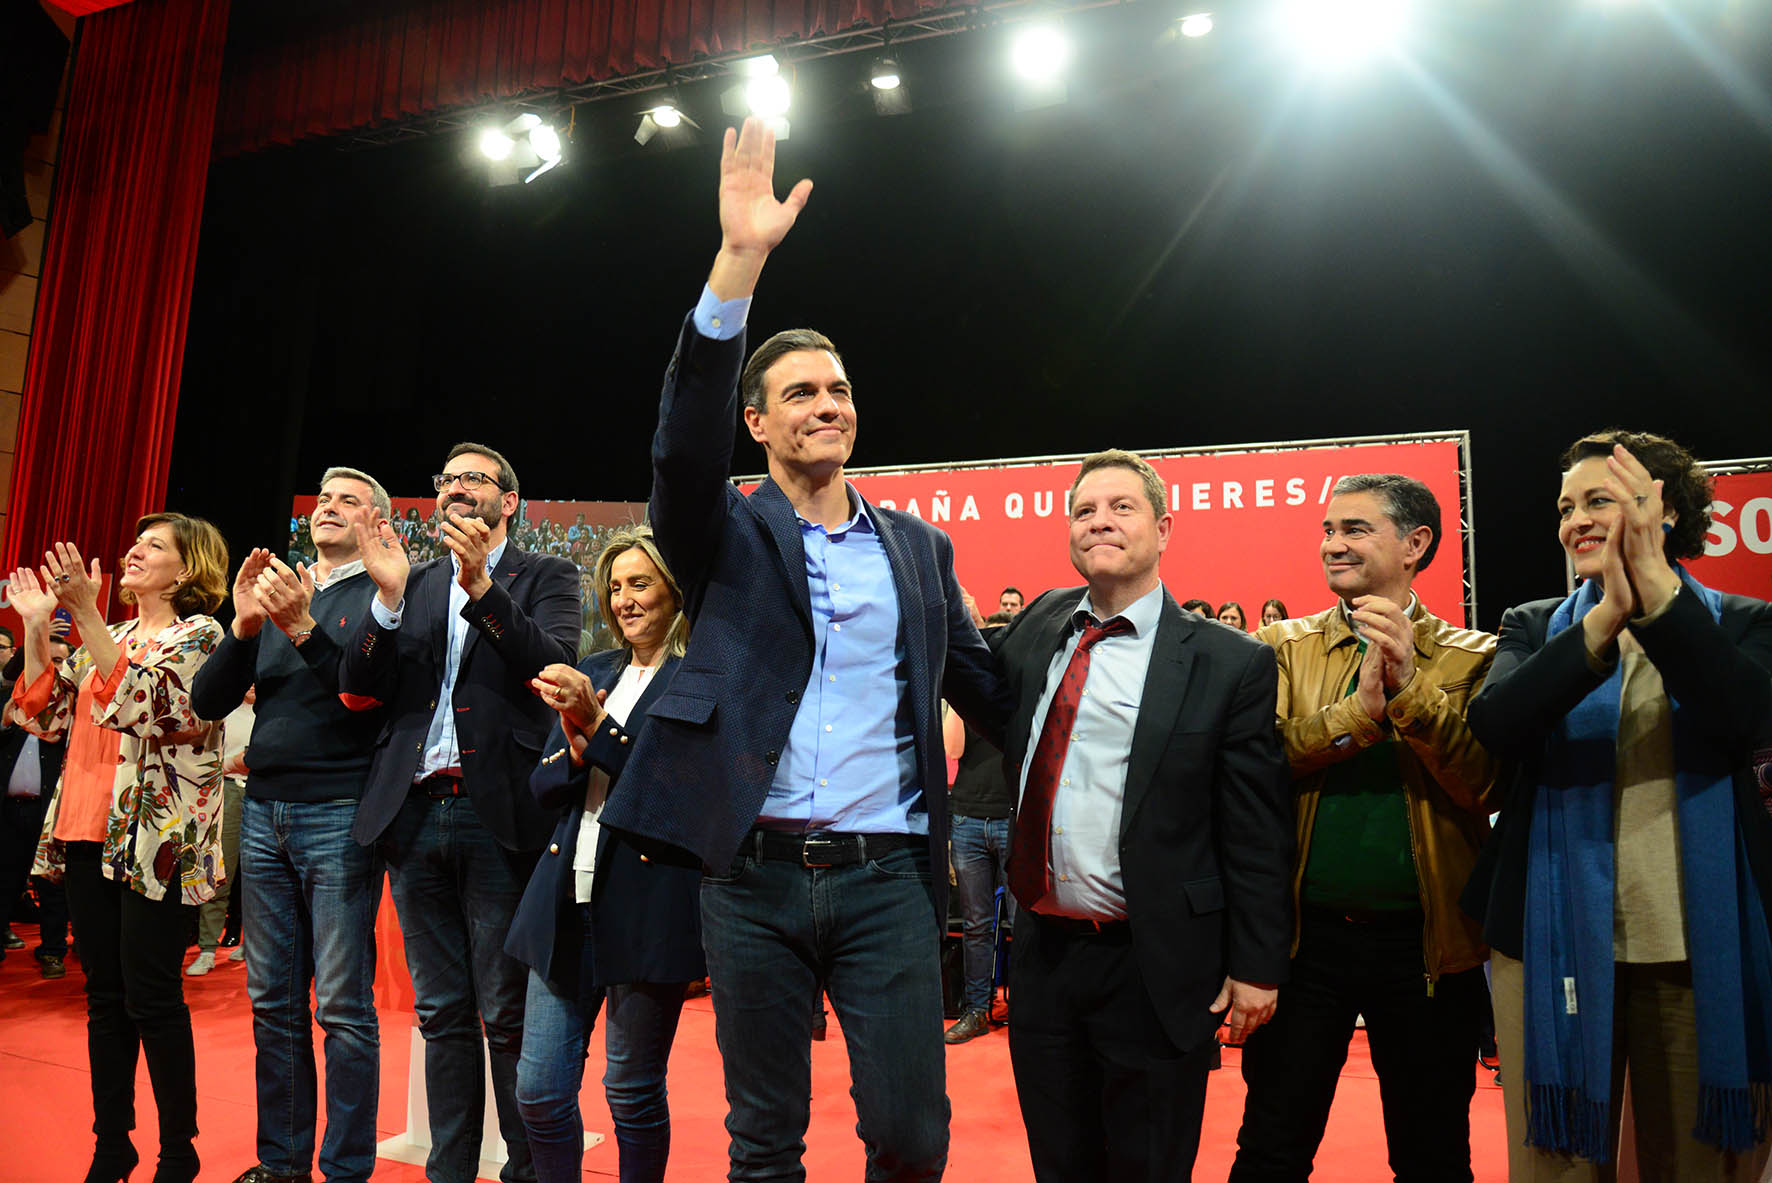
{"type": "Point", "coordinates": [1361, 853]}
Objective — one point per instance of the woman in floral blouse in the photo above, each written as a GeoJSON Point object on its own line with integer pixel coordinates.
{"type": "Point", "coordinates": [134, 825]}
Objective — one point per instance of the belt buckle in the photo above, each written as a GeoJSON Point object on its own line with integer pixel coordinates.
{"type": "Point", "coordinates": [806, 851]}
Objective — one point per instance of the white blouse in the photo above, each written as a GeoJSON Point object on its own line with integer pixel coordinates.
{"type": "Point", "coordinates": [621, 700]}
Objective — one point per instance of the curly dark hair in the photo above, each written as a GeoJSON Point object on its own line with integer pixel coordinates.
{"type": "Point", "coordinates": [1685, 487]}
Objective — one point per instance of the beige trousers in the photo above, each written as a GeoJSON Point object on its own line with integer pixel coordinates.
{"type": "Point", "coordinates": [1655, 1035]}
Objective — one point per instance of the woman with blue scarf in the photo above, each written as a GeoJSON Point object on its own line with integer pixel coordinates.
{"type": "Point", "coordinates": [1623, 892]}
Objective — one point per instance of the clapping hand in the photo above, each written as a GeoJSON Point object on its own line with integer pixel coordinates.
{"type": "Point", "coordinates": [1641, 514]}
{"type": "Point", "coordinates": [470, 540]}
{"type": "Point", "coordinates": [1387, 629]}
{"type": "Point", "coordinates": [30, 599]}
{"type": "Point", "coordinates": [384, 556]}
{"type": "Point", "coordinates": [74, 586]}
{"type": "Point", "coordinates": [286, 595]}
{"type": "Point", "coordinates": [249, 614]}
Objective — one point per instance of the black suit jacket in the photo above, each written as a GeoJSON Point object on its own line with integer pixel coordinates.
{"type": "Point", "coordinates": [49, 757]}
{"type": "Point", "coordinates": [1721, 669]}
{"type": "Point", "coordinates": [1206, 835]}
{"type": "Point", "coordinates": [714, 739]}
{"type": "Point", "coordinates": [645, 901]}
{"type": "Point", "coordinates": [528, 619]}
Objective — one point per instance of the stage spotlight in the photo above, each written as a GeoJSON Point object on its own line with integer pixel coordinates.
{"type": "Point", "coordinates": [546, 142]}
{"type": "Point", "coordinates": [1196, 24]}
{"type": "Point", "coordinates": [768, 96]}
{"type": "Point", "coordinates": [1040, 54]}
{"type": "Point", "coordinates": [495, 144]}
{"type": "Point", "coordinates": [525, 122]}
{"type": "Point", "coordinates": [885, 75]}
{"type": "Point", "coordinates": [1345, 33]}
{"type": "Point", "coordinates": [666, 115]}
{"type": "Point", "coordinates": [763, 65]}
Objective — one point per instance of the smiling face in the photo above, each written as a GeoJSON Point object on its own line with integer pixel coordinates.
{"type": "Point", "coordinates": [343, 501]}
{"type": "Point", "coordinates": [1588, 514]}
{"type": "Point", "coordinates": [1116, 535]}
{"type": "Point", "coordinates": [1363, 555]}
{"type": "Point", "coordinates": [807, 424]}
{"type": "Point", "coordinates": [153, 566]}
{"type": "Point", "coordinates": [489, 503]}
{"type": "Point", "coordinates": [642, 602]}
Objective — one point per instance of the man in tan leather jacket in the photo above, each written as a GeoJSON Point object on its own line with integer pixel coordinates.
{"type": "Point", "coordinates": [1392, 807]}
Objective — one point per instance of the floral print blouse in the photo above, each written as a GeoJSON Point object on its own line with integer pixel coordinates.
{"type": "Point", "coordinates": [164, 829]}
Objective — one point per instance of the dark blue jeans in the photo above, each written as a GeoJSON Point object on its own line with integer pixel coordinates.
{"type": "Point", "coordinates": [775, 934]}
{"type": "Point", "coordinates": [456, 889]}
{"type": "Point", "coordinates": [981, 862]}
{"type": "Point", "coordinates": [309, 903]}
{"type": "Point", "coordinates": [637, 1036]}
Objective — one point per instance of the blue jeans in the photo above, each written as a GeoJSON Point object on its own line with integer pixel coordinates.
{"type": "Point", "coordinates": [309, 899]}
{"type": "Point", "coordinates": [775, 934]}
{"type": "Point", "coordinates": [641, 1026]}
{"type": "Point", "coordinates": [981, 862]}
{"type": "Point", "coordinates": [456, 889]}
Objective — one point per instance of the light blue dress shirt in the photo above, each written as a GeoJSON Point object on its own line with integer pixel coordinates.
{"type": "Point", "coordinates": [850, 763]}
{"type": "Point", "coordinates": [720, 319]}
{"type": "Point", "coordinates": [442, 753]}
{"type": "Point", "coordinates": [1091, 797]}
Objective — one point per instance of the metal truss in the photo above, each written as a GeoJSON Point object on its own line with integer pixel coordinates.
{"type": "Point", "coordinates": [875, 38]}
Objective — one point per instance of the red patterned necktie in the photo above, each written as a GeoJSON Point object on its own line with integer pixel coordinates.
{"type": "Point", "coordinates": [1030, 851]}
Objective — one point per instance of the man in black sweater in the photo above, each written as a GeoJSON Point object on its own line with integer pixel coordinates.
{"type": "Point", "coordinates": [311, 892]}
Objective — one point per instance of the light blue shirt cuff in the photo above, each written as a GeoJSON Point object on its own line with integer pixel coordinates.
{"type": "Point", "coordinates": [720, 319]}
{"type": "Point", "coordinates": [384, 617]}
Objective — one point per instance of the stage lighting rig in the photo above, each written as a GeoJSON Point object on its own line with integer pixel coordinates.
{"type": "Point", "coordinates": [1039, 56]}
{"type": "Point", "coordinates": [1336, 36]}
{"type": "Point", "coordinates": [525, 142]}
{"type": "Point", "coordinates": [765, 93]}
{"type": "Point", "coordinates": [665, 120]}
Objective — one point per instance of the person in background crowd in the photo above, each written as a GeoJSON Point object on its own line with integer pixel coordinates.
{"type": "Point", "coordinates": [1272, 612]}
{"type": "Point", "coordinates": [1230, 612]}
{"type": "Point", "coordinates": [134, 824]}
{"type": "Point", "coordinates": [450, 647]}
{"type": "Point", "coordinates": [798, 752]}
{"type": "Point", "coordinates": [600, 918]}
{"type": "Point", "coordinates": [1198, 607]}
{"type": "Point", "coordinates": [979, 804]}
{"type": "Point", "coordinates": [1151, 845]}
{"type": "Point", "coordinates": [1393, 795]}
{"type": "Point", "coordinates": [1624, 893]}
{"type": "Point", "coordinates": [212, 916]}
{"type": "Point", "coordinates": [29, 767]}
{"type": "Point", "coordinates": [1010, 601]}
{"type": "Point", "coordinates": [311, 892]}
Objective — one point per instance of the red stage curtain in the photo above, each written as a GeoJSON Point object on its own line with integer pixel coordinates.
{"type": "Point", "coordinates": [370, 64]}
{"type": "Point", "coordinates": [101, 378]}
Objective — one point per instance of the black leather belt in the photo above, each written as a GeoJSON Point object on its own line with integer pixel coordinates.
{"type": "Point", "coordinates": [826, 848]}
{"type": "Point", "coordinates": [440, 786]}
{"type": "Point", "coordinates": [1076, 926]}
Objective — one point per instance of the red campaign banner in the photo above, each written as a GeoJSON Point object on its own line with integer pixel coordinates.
{"type": "Point", "coordinates": [1738, 549]}
{"type": "Point", "coordinates": [1248, 520]}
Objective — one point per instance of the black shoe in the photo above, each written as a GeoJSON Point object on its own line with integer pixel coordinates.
{"type": "Point", "coordinates": [266, 1175]}
{"type": "Point", "coordinates": [112, 1166]}
{"type": "Point", "coordinates": [13, 940]}
{"type": "Point", "coordinates": [50, 966]}
{"type": "Point", "coordinates": [970, 1025]}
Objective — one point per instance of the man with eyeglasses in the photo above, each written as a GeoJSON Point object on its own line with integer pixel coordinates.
{"type": "Point", "coordinates": [449, 645]}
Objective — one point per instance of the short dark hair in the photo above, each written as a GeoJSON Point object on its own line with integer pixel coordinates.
{"type": "Point", "coordinates": [750, 382]}
{"type": "Point", "coordinates": [1197, 605]}
{"type": "Point", "coordinates": [1133, 463]}
{"type": "Point", "coordinates": [997, 619]}
{"type": "Point", "coordinates": [9, 637]}
{"type": "Point", "coordinates": [1685, 487]}
{"type": "Point", "coordinates": [507, 476]}
{"type": "Point", "coordinates": [1408, 503]}
{"type": "Point", "coordinates": [1015, 591]}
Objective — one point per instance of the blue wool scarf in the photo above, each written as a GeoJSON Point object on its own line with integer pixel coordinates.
{"type": "Point", "coordinates": [1568, 927]}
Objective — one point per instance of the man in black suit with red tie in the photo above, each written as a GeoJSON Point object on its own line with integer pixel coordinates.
{"type": "Point", "coordinates": [1152, 848]}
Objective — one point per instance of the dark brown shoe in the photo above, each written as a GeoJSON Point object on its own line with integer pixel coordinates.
{"type": "Point", "coordinates": [50, 966]}
{"type": "Point", "coordinates": [262, 1175]}
{"type": "Point", "coordinates": [970, 1025]}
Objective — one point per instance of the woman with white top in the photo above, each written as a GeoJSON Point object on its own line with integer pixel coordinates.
{"type": "Point", "coordinates": [604, 918]}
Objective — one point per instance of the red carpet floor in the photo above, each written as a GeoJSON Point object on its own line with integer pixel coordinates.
{"type": "Point", "coordinates": [45, 1105]}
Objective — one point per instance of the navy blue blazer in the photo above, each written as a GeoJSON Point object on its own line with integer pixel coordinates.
{"type": "Point", "coordinates": [645, 903]}
{"type": "Point", "coordinates": [528, 619]}
{"type": "Point", "coordinates": [1206, 830]}
{"type": "Point", "coordinates": [714, 738]}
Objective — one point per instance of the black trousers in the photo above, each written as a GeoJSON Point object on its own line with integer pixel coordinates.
{"type": "Point", "coordinates": [1423, 1048]}
{"type": "Point", "coordinates": [1104, 1094]}
{"type": "Point", "coordinates": [132, 949]}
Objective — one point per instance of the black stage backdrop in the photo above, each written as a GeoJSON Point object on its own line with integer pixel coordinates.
{"type": "Point", "coordinates": [1548, 223]}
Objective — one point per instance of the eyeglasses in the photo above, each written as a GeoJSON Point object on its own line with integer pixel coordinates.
{"type": "Point", "coordinates": [469, 480]}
